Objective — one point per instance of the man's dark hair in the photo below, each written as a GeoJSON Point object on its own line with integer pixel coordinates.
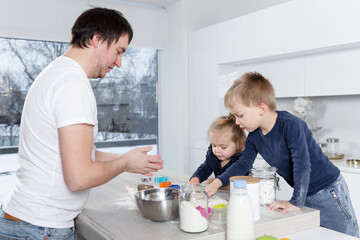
{"type": "Point", "coordinates": [110, 24]}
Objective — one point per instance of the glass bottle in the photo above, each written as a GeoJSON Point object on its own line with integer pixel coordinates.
{"type": "Point", "coordinates": [240, 218]}
{"type": "Point", "coordinates": [268, 184]}
{"type": "Point", "coordinates": [193, 208]}
{"type": "Point", "coordinates": [333, 147]}
{"type": "Point", "coordinates": [145, 183]}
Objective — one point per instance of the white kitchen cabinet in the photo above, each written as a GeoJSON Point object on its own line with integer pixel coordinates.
{"type": "Point", "coordinates": [198, 157]}
{"type": "Point", "coordinates": [352, 180]}
{"type": "Point", "coordinates": [286, 75]}
{"type": "Point", "coordinates": [250, 36]}
{"type": "Point", "coordinates": [204, 103]}
{"type": "Point", "coordinates": [203, 85]}
{"type": "Point", "coordinates": [333, 73]}
{"type": "Point", "coordinates": [310, 24]}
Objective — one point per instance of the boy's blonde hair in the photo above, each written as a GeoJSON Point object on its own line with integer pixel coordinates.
{"type": "Point", "coordinates": [223, 122]}
{"type": "Point", "coordinates": [252, 88]}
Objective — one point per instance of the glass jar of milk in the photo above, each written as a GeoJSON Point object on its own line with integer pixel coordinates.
{"type": "Point", "coordinates": [193, 208]}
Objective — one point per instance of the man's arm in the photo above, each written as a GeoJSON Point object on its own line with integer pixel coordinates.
{"type": "Point", "coordinates": [105, 156]}
{"type": "Point", "coordinates": [80, 173]}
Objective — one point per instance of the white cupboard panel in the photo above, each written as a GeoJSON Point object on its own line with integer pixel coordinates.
{"type": "Point", "coordinates": [202, 47]}
{"type": "Point", "coordinates": [286, 75]}
{"type": "Point", "coordinates": [333, 73]}
{"type": "Point", "coordinates": [310, 24]}
{"type": "Point", "coordinates": [251, 36]}
{"type": "Point", "coordinates": [197, 157]}
{"type": "Point", "coordinates": [204, 103]}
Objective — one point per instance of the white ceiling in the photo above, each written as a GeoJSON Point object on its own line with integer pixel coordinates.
{"type": "Point", "coordinates": [148, 3]}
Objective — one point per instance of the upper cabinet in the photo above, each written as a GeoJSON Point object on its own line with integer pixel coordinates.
{"type": "Point", "coordinates": [286, 75]}
{"type": "Point", "coordinates": [316, 24]}
{"type": "Point", "coordinates": [333, 73]}
{"type": "Point", "coordinates": [251, 36]}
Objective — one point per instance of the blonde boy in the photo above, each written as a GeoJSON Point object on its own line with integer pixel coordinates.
{"type": "Point", "coordinates": [285, 142]}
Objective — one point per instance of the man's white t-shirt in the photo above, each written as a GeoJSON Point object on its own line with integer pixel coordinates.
{"type": "Point", "coordinates": [60, 96]}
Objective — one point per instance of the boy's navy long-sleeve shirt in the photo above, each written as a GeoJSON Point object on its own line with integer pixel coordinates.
{"type": "Point", "coordinates": [213, 165]}
{"type": "Point", "coordinates": [289, 147]}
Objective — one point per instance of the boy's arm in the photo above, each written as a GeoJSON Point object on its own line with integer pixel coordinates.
{"type": "Point", "coordinates": [298, 146]}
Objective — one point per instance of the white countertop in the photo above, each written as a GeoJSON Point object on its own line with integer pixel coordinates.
{"type": "Point", "coordinates": [345, 167]}
{"type": "Point", "coordinates": [110, 214]}
{"type": "Point", "coordinates": [319, 233]}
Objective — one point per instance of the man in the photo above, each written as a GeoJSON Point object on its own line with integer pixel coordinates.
{"type": "Point", "coordinates": [58, 162]}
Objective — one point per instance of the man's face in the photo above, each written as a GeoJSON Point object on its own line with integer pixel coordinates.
{"type": "Point", "coordinates": [110, 56]}
{"type": "Point", "coordinates": [247, 117]}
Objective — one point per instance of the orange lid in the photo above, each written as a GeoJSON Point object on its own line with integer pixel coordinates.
{"type": "Point", "coordinates": [164, 184]}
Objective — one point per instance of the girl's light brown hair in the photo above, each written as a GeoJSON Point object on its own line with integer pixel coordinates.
{"type": "Point", "coordinates": [238, 136]}
{"type": "Point", "coordinates": [251, 89]}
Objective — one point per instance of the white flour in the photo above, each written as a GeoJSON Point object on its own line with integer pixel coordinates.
{"type": "Point", "coordinates": [191, 219]}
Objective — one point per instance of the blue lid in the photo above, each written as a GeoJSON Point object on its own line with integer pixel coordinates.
{"type": "Point", "coordinates": [158, 180]}
{"type": "Point", "coordinates": [240, 183]}
{"type": "Point", "coordinates": [174, 186]}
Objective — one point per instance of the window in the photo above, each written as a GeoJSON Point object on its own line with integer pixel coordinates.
{"type": "Point", "coordinates": [126, 97]}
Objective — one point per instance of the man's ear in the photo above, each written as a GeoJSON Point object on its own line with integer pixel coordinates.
{"type": "Point", "coordinates": [262, 108]}
{"type": "Point", "coordinates": [96, 40]}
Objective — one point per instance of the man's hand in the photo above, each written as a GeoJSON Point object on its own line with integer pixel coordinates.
{"type": "Point", "coordinates": [212, 188]}
{"type": "Point", "coordinates": [285, 206]}
{"type": "Point", "coordinates": [139, 162]}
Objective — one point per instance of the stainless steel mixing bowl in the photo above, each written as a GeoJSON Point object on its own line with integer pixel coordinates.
{"type": "Point", "coordinates": [158, 204]}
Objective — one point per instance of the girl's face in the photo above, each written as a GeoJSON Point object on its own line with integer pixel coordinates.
{"type": "Point", "coordinates": [222, 145]}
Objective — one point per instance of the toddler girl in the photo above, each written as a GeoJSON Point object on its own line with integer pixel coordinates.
{"type": "Point", "coordinates": [227, 143]}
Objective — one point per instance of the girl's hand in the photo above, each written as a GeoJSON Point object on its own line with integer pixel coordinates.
{"type": "Point", "coordinates": [212, 188]}
{"type": "Point", "coordinates": [285, 206]}
{"type": "Point", "coordinates": [209, 180]}
{"type": "Point", "coordinates": [194, 180]}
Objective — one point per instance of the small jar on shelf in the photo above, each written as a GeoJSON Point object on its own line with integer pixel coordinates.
{"type": "Point", "coordinates": [333, 147]}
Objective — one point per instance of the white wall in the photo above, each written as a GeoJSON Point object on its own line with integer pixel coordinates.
{"type": "Point", "coordinates": [173, 105]}
{"type": "Point", "coordinates": [184, 17]}
{"type": "Point", "coordinates": [52, 20]}
{"type": "Point", "coordinates": [153, 28]}
{"type": "Point", "coordinates": [338, 116]}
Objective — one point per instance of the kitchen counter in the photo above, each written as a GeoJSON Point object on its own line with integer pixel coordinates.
{"type": "Point", "coordinates": [319, 233]}
{"type": "Point", "coordinates": [111, 214]}
{"type": "Point", "coordinates": [345, 167]}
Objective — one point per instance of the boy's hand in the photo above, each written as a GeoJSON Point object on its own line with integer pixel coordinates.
{"type": "Point", "coordinates": [212, 188]}
{"type": "Point", "coordinates": [285, 206]}
{"type": "Point", "coordinates": [209, 180]}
